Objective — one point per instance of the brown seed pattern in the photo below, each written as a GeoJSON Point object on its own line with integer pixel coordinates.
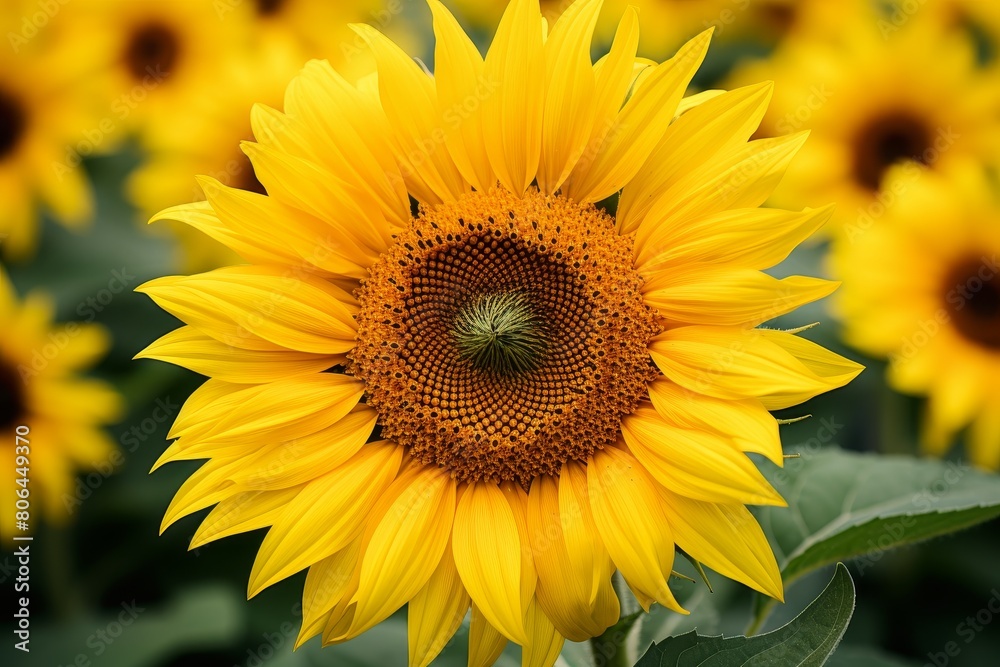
{"type": "Point", "coordinates": [568, 262]}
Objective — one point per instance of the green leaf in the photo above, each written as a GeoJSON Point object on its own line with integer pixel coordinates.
{"type": "Point", "coordinates": [807, 641]}
{"type": "Point", "coordinates": [845, 505]}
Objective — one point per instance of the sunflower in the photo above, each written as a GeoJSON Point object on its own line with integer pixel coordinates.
{"type": "Point", "coordinates": [63, 413]}
{"type": "Point", "coordinates": [449, 378]}
{"type": "Point", "coordinates": [42, 115]}
{"type": "Point", "coordinates": [208, 143]}
{"type": "Point", "coordinates": [321, 28]}
{"type": "Point", "coordinates": [879, 97]}
{"type": "Point", "coordinates": [940, 326]}
{"type": "Point", "coordinates": [149, 61]}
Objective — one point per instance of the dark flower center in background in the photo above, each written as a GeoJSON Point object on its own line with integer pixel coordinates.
{"type": "Point", "coordinates": [501, 337]}
{"type": "Point", "coordinates": [153, 50]}
{"type": "Point", "coordinates": [887, 141]}
{"type": "Point", "coordinates": [12, 398]}
{"type": "Point", "coordinates": [13, 122]}
{"type": "Point", "coordinates": [269, 7]}
{"type": "Point", "coordinates": [972, 292]}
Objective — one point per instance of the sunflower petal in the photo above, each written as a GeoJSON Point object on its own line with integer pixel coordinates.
{"type": "Point", "coordinates": [756, 238]}
{"type": "Point", "coordinates": [436, 612]}
{"type": "Point", "coordinates": [487, 548]}
{"type": "Point", "coordinates": [570, 87]}
{"type": "Point", "coordinates": [406, 547]}
{"type": "Point", "coordinates": [725, 537]}
{"type": "Point", "coordinates": [410, 102]}
{"type": "Point", "coordinates": [776, 367]}
{"type": "Point", "coordinates": [752, 428]}
{"type": "Point", "coordinates": [512, 116]}
{"type": "Point", "coordinates": [328, 582]}
{"type": "Point", "coordinates": [242, 513]}
{"type": "Point", "coordinates": [630, 518]}
{"type": "Point", "coordinates": [485, 642]}
{"type": "Point", "coordinates": [326, 516]}
{"type": "Point", "coordinates": [729, 296]}
{"type": "Point", "coordinates": [696, 464]}
{"type": "Point", "coordinates": [639, 126]}
{"type": "Point", "coordinates": [719, 125]}
{"type": "Point", "coordinates": [461, 88]}
{"type": "Point", "coordinates": [544, 642]}
{"type": "Point", "coordinates": [245, 306]}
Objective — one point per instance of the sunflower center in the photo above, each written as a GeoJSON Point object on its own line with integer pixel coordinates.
{"type": "Point", "coordinates": [500, 333]}
{"type": "Point", "coordinates": [13, 122]}
{"type": "Point", "coordinates": [152, 50]}
{"type": "Point", "coordinates": [502, 336]}
{"type": "Point", "coordinates": [972, 292]}
{"type": "Point", "coordinates": [12, 399]}
{"type": "Point", "coordinates": [886, 141]}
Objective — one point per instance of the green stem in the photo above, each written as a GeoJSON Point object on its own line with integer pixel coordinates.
{"type": "Point", "coordinates": [611, 649]}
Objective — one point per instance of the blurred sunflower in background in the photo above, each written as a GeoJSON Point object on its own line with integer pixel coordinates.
{"type": "Point", "coordinates": [939, 326]}
{"type": "Point", "coordinates": [207, 141]}
{"type": "Point", "coordinates": [40, 389]}
{"type": "Point", "coordinates": [42, 112]}
{"type": "Point", "coordinates": [882, 95]}
{"type": "Point", "coordinates": [449, 378]}
{"type": "Point", "coordinates": [151, 62]}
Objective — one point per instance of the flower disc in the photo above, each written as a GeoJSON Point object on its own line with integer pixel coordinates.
{"type": "Point", "coordinates": [503, 336]}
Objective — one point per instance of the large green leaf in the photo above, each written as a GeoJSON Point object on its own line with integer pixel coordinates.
{"type": "Point", "coordinates": [845, 505]}
{"type": "Point", "coordinates": [806, 641]}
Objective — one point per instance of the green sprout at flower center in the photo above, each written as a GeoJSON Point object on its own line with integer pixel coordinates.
{"type": "Point", "coordinates": [500, 333]}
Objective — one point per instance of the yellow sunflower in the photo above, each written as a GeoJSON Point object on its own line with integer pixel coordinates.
{"type": "Point", "coordinates": [63, 414]}
{"type": "Point", "coordinates": [875, 99]}
{"type": "Point", "coordinates": [42, 115]}
{"type": "Point", "coordinates": [150, 61]}
{"type": "Point", "coordinates": [939, 325]}
{"type": "Point", "coordinates": [498, 397]}
{"type": "Point", "coordinates": [206, 140]}
{"type": "Point", "coordinates": [321, 29]}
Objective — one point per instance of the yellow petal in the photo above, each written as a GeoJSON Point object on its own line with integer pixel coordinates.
{"type": "Point", "coordinates": [461, 89]}
{"type": "Point", "coordinates": [346, 208]}
{"type": "Point", "coordinates": [485, 642]}
{"type": "Point", "coordinates": [410, 102]}
{"type": "Point", "coordinates": [326, 516]}
{"type": "Point", "coordinates": [512, 116]}
{"type": "Point", "coordinates": [725, 537]}
{"type": "Point", "coordinates": [202, 354]}
{"type": "Point", "coordinates": [406, 546]}
{"type": "Point", "coordinates": [639, 127]}
{"type": "Point", "coordinates": [728, 296]}
{"type": "Point", "coordinates": [628, 513]}
{"type": "Point", "coordinates": [242, 513]}
{"type": "Point", "coordinates": [302, 459]}
{"type": "Point", "coordinates": [289, 409]}
{"type": "Point", "coordinates": [351, 126]}
{"type": "Point", "coordinates": [697, 464]}
{"type": "Point", "coordinates": [570, 87]}
{"type": "Point", "coordinates": [544, 642]}
{"type": "Point", "coordinates": [435, 613]}
{"type": "Point", "coordinates": [742, 178]}
{"type": "Point", "coordinates": [328, 583]}
{"type": "Point", "coordinates": [260, 308]}
{"type": "Point", "coordinates": [721, 124]}
{"type": "Point", "coordinates": [615, 73]}
{"type": "Point", "coordinates": [487, 548]}
{"type": "Point", "coordinates": [778, 368]}
{"type": "Point", "coordinates": [564, 587]}
{"type": "Point", "coordinates": [755, 238]}
{"type": "Point", "coordinates": [752, 428]}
